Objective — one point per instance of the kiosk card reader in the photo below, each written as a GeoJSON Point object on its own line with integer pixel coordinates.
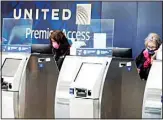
{"type": "Point", "coordinates": [12, 85]}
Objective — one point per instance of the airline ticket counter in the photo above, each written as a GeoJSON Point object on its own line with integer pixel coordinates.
{"type": "Point", "coordinates": [99, 87]}
{"type": "Point", "coordinates": [28, 84]}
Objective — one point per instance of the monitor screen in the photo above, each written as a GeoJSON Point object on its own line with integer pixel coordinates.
{"type": "Point", "coordinates": [10, 67]}
{"type": "Point", "coordinates": [122, 52]}
{"type": "Point", "coordinates": [41, 48]}
{"type": "Point", "coordinates": [88, 74]}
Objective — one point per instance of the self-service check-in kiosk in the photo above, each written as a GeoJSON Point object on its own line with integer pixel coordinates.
{"type": "Point", "coordinates": [152, 103]}
{"type": "Point", "coordinates": [95, 87]}
{"type": "Point", "coordinates": [28, 85]}
{"type": "Point", "coordinates": [13, 84]}
{"type": "Point", "coordinates": [85, 89]}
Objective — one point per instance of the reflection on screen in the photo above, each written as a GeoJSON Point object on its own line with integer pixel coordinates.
{"type": "Point", "coordinates": [88, 74]}
{"type": "Point", "coordinates": [10, 67]}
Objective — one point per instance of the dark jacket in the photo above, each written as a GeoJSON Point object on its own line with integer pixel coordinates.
{"type": "Point", "coordinates": [139, 63]}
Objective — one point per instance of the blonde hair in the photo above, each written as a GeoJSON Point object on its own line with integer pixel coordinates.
{"type": "Point", "coordinates": [153, 37]}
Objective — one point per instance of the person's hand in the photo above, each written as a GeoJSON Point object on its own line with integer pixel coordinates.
{"type": "Point", "coordinates": [138, 70]}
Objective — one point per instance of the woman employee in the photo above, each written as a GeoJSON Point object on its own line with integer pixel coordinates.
{"type": "Point", "coordinates": [60, 46]}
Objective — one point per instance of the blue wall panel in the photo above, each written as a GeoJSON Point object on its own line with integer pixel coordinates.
{"type": "Point", "coordinates": [149, 20]}
{"type": "Point", "coordinates": [125, 15]}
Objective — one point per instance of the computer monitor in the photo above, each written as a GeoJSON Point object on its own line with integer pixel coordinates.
{"type": "Point", "coordinates": [10, 67]}
{"type": "Point", "coordinates": [88, 73]}
{"type": "Point", "coordinates": [41, 48]}
{"type": "Point", "coordinates": [122, 52]}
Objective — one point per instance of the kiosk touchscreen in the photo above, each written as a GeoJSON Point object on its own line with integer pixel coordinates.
{"type": "Point", "coordinates": [86, 79]}
{"type": "Point", "coordinates": [11, 65]}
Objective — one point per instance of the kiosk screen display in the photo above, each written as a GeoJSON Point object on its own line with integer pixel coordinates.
{"type": "Point", "coordinates": [10, 67]}
{"type": "Point", "coordinates": [88, 74]}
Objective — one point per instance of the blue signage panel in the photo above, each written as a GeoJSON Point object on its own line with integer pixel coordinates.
{"type": "Point", "coordinates": [16, 48]}
{"type": "Point", "coordinates": [14, 35]}
{"type": "Point", "coordinates": [94, 52]}
{"type": "Point", "coordinates": [50, 15]}
{"type": "Point", "coordinates": [100, 42]}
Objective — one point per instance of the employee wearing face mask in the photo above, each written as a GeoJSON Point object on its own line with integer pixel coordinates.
{"type": "Point", "coordinates": [60, 46]}
{"type": "Point", "coordinates": [145, 58]}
